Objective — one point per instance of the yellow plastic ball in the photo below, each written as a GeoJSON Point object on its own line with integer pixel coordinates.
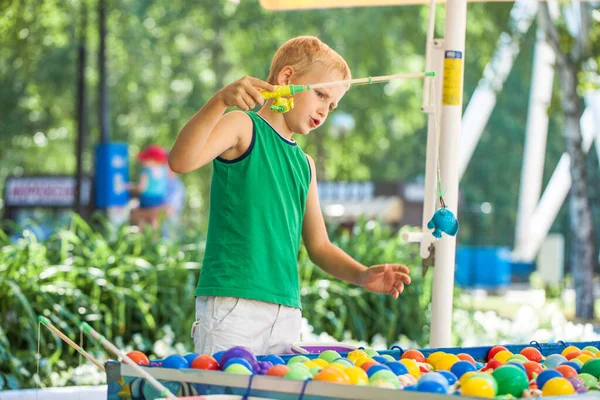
{"type": "Point", "coordinates": [446, 362]}
{"type": "Point", "coordinates": [557, 387]}
{"type": "Point", "coordinates": [569, 349]}
{"type": "Point", "coordinates": [465, 377]}
{"type": "Point", "coordinates": [503, 356]}
{"type": "Point", "coordinates": [583, 358]}
{"type": "Point", "coordinates": [434, 358]}
{"type": "Point", "coordinates": [360, 361]}
{"type": "Point", "coordinates": [357, 376]}
{"type": "Point", "coordinates": [339, 367]}
{"type": "Point", "coordinates": [320, 362]}
{"type": "Point", "coordinates": [477, 387]}
{"type": "Point", "coordinates": [356, 354]}
{"type": "Point", "coordinates": [310, 364]}
{"type": "Point", "coordinates": [411, 366]}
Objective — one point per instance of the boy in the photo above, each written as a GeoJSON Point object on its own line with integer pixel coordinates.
{"type": "Point", "coordinates": [263, 197]}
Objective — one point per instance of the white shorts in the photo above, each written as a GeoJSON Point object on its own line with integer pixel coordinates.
{"type": "Point", "coordinates": [225, 322]}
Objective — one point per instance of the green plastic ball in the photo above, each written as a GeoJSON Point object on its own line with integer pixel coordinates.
{"type": "Point", "coordinates": [511, 380]}
{"type": "Point", "coordinates": [238, 369]}
{"type": "Point", "coordinates": [297, 359]}
{"type": "Point", "coordinates": [517, 358]}
{"type": "Point", "coordinates": [588, 380]}
{"type": "Point", "coordinates": [299, 374]}
{"type": "Point", "coordinates": [329, 355]}
{"type": "Point", "coordinates": [592, 367]}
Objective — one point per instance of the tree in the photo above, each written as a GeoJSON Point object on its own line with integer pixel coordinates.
{"type": "Point", "coordinates": [572, 50]}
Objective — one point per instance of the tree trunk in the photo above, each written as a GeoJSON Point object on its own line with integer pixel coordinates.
{"type": "Point", "coordinates": [583, 246]}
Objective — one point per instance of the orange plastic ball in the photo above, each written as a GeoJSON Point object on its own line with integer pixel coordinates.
{"type": "Point", "coordinates": [138, 357]}
{"type": "Point", "coordinates": [466, 357]}
{"type": "Point", "coordinates": [278, 370]}
{"type": "Point", "coordinates": [333, 375]}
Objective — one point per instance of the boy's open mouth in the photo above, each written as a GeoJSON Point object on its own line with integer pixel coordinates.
{"type": "Point", "coordinates": [315, 122]}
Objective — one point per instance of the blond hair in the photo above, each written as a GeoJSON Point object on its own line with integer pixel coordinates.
{"type": "Point", "coordinates": [302, 53]}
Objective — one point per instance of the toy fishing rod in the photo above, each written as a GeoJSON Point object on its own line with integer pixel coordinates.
{"type": "Point", "coordinates": [284, 101]}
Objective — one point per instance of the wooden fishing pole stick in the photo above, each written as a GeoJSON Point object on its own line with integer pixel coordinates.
{"type": "Point", "coordinates": [46, 322]}
{"type": "Point", "coordinates": [111, 347]}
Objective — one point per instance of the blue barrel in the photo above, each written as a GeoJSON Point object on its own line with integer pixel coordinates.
{"type": "Point", "coordinates": [112, 175]}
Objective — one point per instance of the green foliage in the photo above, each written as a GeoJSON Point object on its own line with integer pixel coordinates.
{"type": "Point", "coordinates": [120, 281]}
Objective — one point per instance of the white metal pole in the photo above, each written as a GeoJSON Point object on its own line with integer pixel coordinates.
{"type": "Point", "coordinates": [443, 273]}
{"type": "Point", "coordinates": [534, 152]}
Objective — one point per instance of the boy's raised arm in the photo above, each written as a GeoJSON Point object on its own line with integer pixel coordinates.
{"type": "Point", "coordinates": [208, 133]}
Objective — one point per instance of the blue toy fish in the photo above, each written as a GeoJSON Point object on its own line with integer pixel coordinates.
{"type": "Point", "coordinates": [443, 220]}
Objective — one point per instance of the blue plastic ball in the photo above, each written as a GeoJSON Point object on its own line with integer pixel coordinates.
{"type": "Point", "coordinates": [462, 367]}
{"type": "Point", "coordinates": [518, 365]}
{"type": "Point", "coordinates": [545, 376]}
{"type": "Point", "coordinates": [273, 359]}
{"type": "Point", "coordinates": [433, 377]}
{"type": "Point", "coordinates": [450, 377]}
{"type": "Point", "coordinates": [190, 357]}
{"type": "Point", "coordinates": [574, 365]}
{"type": "Point", "coordinates": [397, 367]}
{"type": "Point", "coordinates": [377, 367]}
{"type": "Point", "coordinates": [554, 360]}
{"type": "Point", "coordinates": [175, 361]}
{"type": "Point", "coordinates": [217, 356]}
{"type": "Point", "coordinates": [380, 359]}
{"type": "Point", "coordinates": [238, 360]}
{"type": "Point", "coordinates": [432, 387]}
{"type": "Point", "coordinates": [411, 388]}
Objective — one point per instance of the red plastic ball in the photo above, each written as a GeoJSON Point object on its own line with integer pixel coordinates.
{"type": "Point", "coordinates": [204, 361]}
{"type": "Point", "coordinates": [495, 350]}
{"type": "Point", "coordinates": [415, 355]}
{"type": "Point", "coordinates": [368, 365]}
{"type": "Point", "coordinates": [532, 354]}
{"type": "Point", "coordinates": [573, 354]}
{"type": "Point", "coordinates": [492, 364]}
{"type": "Point", "coordinates": [566, 370]}
{"type": "Point", "coordinates": [532, 367]}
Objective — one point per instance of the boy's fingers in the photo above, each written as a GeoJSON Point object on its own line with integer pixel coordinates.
{"type": "Point", "coordinates": [399, 276]}
{"type": "Point", "coordinates": [401, 268]}
{"type": "Point", "coordinates": [256, 96]}
{"type": "Point", "coordinates": [399, 286]}
{"type": "Point", "coordinates": [248, 101]}
{"type": "Point", "coordinates": [261, 84]}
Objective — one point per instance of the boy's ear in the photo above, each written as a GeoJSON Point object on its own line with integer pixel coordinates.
{"type": "Point", "coordinates": [285, 75]}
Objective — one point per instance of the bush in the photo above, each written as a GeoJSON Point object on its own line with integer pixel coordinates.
{"type": "Point", "coordinates": [118, 280]}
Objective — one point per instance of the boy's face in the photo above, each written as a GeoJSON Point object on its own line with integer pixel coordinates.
{"type": "Point", "coordinates": [312, 107]}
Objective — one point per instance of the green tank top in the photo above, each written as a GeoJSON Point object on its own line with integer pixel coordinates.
{"type": "Point", "coordinates": [257, 205]}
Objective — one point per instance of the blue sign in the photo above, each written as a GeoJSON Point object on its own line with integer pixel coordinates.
{"type": "Point", "coordinates": [112, 175]}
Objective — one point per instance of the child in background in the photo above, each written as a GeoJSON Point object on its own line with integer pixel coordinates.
{"type": "Point", "coordinates": [152, 186]}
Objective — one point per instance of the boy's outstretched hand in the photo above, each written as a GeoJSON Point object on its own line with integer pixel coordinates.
{"type": "Point", "coordinates": [386, 278]}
